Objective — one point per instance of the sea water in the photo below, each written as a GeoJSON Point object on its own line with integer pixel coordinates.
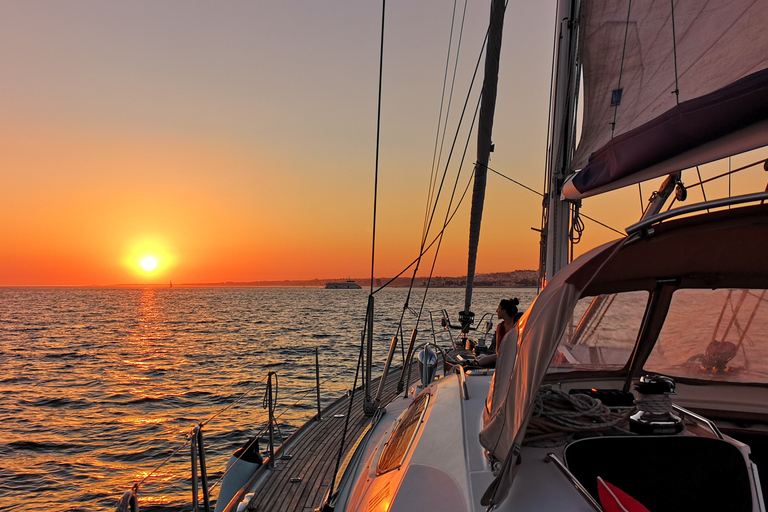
{"type": "Point", "coordinates": [101, 387]}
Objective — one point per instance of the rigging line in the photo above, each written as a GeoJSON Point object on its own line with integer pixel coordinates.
{"type": "Point", "coordinates": [450, 156]}
{"type": "Point", "coordinates": [246, 393]}
{"type": "Point", "coordinates": [433, 173]}
{"type": "Point", "coordinates": [601, 224]}
{"type": "Point", "coordinates": [515, 182]}
{"type": "Point", "coordinates": [722, 313]}
{"type": "Point", "coordinates": [577, 226]}
{"type": "Point", "coordinates": [435, 154]}
{"type": "Point", "coordinates": [542, 195]}
{"type": "Point", "coordinates": [676, 92]}
{"type": "Point", "coordinates": [294, 404]}
{"type": "Point", "coordinates": [408, 296]}
{"type": "Point", "coordinates": [265, 401]}
{"type": "Point", "coordinates": [766, 190]}
{"type": "Point", "coordinates": [571, 97]}
{"type": "Point", "coordinates": [621, 70]}
{"type": "Point", "coordinates": [177, 450]}
{"type": "Point", "coordinates": [723, 175]}
{"type": "Point", "coordinates": [640, 190]}
{"type": "Point", "coordinates": [472, 83]}
{"type": "Point", "coordinates": [349, 411]}
{"type": "Point", "coordinates": [743, 333]}
{"type": "Point", "coordinates": [428, 247]}
{"type": "Point", "coordinates": [445, 221]}
{"type": "Point", "coordinates": [549, 116]}
{"type": "Point", "coordinates": [730, 181]}
{"type": "Point", "coordinates": [701, 183]}
{"type": "Point", "coordinates": [734, 313]}
{"type": "Point", "coordinates": [453, 84]}
{"type": "Point", "coordinates": [448, 211]}
{"type": "Point", "coordinates": [445, 171]}
{"type": "Point", "coordinates": [378, 141]}
{"type": "Point", "coordinates": [550, 137]}
{"type": "Point", "coordinates": [201, 424]}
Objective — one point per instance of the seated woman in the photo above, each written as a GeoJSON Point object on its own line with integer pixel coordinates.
{"type": "Point", "coordinates": [508, 316]}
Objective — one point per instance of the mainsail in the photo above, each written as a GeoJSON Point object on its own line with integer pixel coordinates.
{"type": "Point", "coordinates": [668, 86]}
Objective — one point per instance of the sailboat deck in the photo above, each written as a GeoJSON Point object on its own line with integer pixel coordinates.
{"type": "Point", "coordinates": [305, 464]}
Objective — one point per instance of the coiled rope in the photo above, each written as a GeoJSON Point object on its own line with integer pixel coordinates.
{"type": "Point", "coordinates": [557, 414]}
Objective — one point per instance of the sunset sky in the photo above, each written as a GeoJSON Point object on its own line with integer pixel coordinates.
{"type": "Point", "coordinates": [235, 141]}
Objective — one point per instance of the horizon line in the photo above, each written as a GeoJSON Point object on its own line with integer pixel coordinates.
{"type": "Point", "coordinates": [255, 284]}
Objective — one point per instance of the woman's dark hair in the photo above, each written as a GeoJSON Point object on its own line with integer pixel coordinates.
{"type": "Point", "coordinates": [510, 306]}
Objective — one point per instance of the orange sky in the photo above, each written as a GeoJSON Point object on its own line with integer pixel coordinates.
{"type": "Point", "coordinates": [236, 142]}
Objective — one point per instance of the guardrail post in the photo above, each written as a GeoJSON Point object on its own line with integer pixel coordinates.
{"type": "Point", "coordinates": [196, 445]}
{"type": "Point", "coordinates": [271, 425]}
{"type": "Point", "coordinates": [203, 471]}
{"type": "Point", "coordinates": [193, 446]}
{"type": "Point", "coordinates": [317, 380]}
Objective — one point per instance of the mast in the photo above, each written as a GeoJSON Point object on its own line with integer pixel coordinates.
{"type": "Point", "coordinates": [555, 231]}
{"type": "Point", "coordinates": [484, 146]}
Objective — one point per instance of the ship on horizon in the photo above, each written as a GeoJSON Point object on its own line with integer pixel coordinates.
{"type": "Point", "coordinates": [348, 285]}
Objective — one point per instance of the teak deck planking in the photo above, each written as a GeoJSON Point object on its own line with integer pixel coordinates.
{"type": "Point", "coordinates": [313, 451]}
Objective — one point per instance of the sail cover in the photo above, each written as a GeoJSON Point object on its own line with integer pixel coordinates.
{"type": "Point", "coordinates": [668, 85]}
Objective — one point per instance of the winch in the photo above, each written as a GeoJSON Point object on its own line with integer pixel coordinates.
{"type": "Point", "coordinates": [654, 414]}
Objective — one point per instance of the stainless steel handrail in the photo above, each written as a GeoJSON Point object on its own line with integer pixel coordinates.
{"type": "Point", "coordinates": [645, 225]}
{"type": "Point", "coordinates": [700, 419]}
{"type": "Point", "coordinates": [551, 457]}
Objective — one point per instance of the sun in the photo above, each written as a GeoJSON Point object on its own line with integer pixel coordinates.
{"type": "Point", "coordinates": [149, 258]}
{"type": "Point", "coordinates": [148, 263]}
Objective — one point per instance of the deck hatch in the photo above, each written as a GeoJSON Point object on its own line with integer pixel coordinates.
{"type": "Point", "coordinates": [399, 442]}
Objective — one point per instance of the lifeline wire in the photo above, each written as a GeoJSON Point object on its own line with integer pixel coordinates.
{"type": "Point", "coordinates": [246, 393]}
{"type": "Point", "coordinates": [177, 450]}
{"type": "Point", "coordinates": [264, 429]}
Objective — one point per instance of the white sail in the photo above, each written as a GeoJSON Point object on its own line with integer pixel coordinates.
{"type": "Point", "coordinates": [667, 86]}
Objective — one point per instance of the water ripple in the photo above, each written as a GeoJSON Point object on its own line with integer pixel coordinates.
{"type": "Point", "coordinates": [101, 385]}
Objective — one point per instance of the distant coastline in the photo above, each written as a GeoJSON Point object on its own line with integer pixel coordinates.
{"type": "Point", "coordinates": [513, 279]}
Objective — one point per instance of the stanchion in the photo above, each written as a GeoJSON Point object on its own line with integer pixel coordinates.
{"type": "Point", "coordinates": [317, 380]}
